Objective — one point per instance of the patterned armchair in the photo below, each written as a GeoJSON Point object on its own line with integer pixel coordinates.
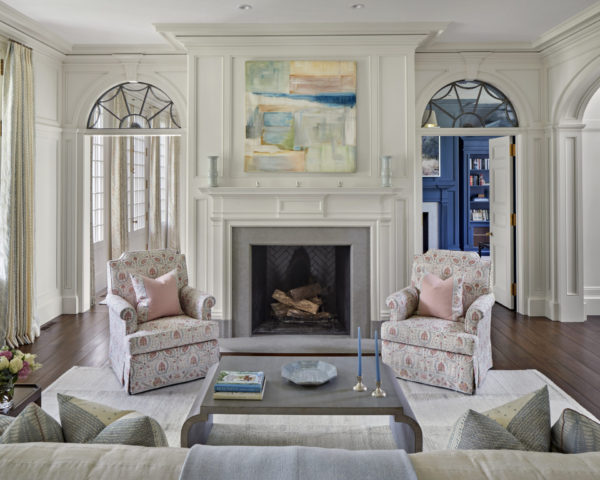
{"type": "Point", "coordinates": [444, 353]}
{"type": "Point", "coordinates": [167, 350]}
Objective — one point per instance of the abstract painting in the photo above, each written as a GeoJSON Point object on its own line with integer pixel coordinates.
{"type": "Point", "coordinates": [300, 116]}
{"type": "Point", "coordinates": [430, 156]}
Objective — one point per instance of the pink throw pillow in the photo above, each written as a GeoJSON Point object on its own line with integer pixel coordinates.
{"type": "Point", "coordinates": [441, 298]}
{"type": "Point", "coordinates": [157, 297]}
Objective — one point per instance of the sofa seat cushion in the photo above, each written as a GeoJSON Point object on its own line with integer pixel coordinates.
{"type": "Point", "coordinates": [169, 332]}
{"type": "Point", "coordinates": [429, 332]}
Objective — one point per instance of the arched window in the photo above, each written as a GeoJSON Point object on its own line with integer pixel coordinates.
{"type": "Point", "coordinates": [134, 105]}
{"type": "Point", "coordinates": [469, 104]}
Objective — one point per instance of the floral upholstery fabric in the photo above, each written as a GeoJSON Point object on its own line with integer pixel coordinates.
{"type": "Point", "coordinates": [475, 271]}
{"type": "Point", "coordinates": [455, 355]}
{"type": "Point", "coordinates": [195, 303]}
{"type": "Point", "coordinates": [121, 308]}
{"type": "Point", "coordinates": [149, 263]}
{"type": "Point", "coordinates": [169, 332]}
{"type": "Point", "coordinates": [432, 367]}
{"type": "Point", "coordinates": [148, 371]}
{"type": "Point", "coordinates": [167, 350]}
{"type": "Point", "coordinates": [403, 304]}
{"type": "Point", "coordinates": [431, 332]}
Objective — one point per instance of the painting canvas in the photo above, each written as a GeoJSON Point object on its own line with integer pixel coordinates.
{"type": "Point", "coordinates": [300, 116]}
{"type": "Point", "coordinates": [430, 156]}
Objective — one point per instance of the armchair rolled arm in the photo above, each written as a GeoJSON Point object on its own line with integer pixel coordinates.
{"type": "Point", "coordinates": [121, 308]}
{"type": "Point", "coordinates": [479, 311]}
{"type": "Point", "coordinates": [403, 304]}
{"type": "Point", "coordinates": [195, 303]}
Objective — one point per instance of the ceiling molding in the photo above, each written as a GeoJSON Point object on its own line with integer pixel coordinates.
{"type": "Point", "coordinates": [15, 25]}
{"type": "Point", "coordinates": [125, 49]}
{"type": "Point", "coordinates": [574, 25]}
{"type": "Point", "coordinates": [181, 34]}
{"type": "Point", "coordinates": [499, 47]}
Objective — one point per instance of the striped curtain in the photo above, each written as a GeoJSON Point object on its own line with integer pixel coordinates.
{"type": "Point", "coordinates": [18, 320]}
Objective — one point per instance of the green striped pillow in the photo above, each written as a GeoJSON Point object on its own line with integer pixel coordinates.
{"type": "Point", "coordinates": [523, 424]}
{"type": "Point", "coordinates": [575, 433]}
{"type": "Point", "coordinates": [31, 425]}
{"type": "Point", "coordinates": [90, 422]}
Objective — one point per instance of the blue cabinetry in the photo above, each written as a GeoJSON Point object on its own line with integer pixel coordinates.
{"type": "Point", "coordinates": [475, 193]}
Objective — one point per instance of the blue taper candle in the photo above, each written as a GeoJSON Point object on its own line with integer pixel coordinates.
{"type": "Point", "coordinates": [377, 358]}
{"type": "Point", "coordinates": [359, 355]}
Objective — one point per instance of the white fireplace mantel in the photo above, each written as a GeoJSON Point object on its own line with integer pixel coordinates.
{"type": "Point", "coordinates": [219, 210]}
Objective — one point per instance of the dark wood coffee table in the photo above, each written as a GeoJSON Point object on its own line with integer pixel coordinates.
{"type": "Point", "coordinates": [285, 398]}
{"type": "Point", "coordinates": [24, 395]}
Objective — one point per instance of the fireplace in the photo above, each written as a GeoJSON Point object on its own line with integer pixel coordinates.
{"type": "Point", "coordinates": [300, 289]}
{"type": "Point", "coordinates": [270, 259]}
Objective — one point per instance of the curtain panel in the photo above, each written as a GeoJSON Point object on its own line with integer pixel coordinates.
{"type": "Point", "coordinates": [18, 321]}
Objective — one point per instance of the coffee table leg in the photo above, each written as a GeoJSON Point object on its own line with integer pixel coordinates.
{"type": "Point", "coordinates": [407, 433]}
{"type": "Point", "coordinates": [196, 430]}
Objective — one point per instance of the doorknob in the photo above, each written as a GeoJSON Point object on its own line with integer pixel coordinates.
{"type": "Point", "coordinates": [489, 234]}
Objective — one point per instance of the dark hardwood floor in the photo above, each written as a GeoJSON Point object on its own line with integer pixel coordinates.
{"type": "Point", "coordinates": [567, 353]}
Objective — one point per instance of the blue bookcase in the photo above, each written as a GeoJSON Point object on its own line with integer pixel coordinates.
{"type": "Point", "coordinates": [475, 193]}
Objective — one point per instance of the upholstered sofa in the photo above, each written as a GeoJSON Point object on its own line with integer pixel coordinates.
{"type": "Point", "coordinates": [54, 461]}
{"type": "Point", "coordinates": [440, 352]}
{"type": "Point", "coordinates": [163, 351]}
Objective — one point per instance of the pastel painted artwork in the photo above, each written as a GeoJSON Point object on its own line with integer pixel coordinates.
{"type": "Point", "coordinates": [300, 116]}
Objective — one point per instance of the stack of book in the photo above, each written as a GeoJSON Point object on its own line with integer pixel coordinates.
{"type": "Point", "coordinates": [232, 385]}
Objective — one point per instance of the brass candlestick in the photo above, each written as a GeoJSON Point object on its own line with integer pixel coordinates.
{"type": "Point", "coordinates": [378, 392]}
{"type": "Point", "coordinates": [359, 387]}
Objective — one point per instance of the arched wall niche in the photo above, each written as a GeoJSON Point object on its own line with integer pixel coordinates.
{"type": "Point", "coordinates": [574, 99]}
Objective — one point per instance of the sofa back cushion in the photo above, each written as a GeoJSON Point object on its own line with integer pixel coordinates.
{"type": "Point", "coordinates": [475, 271]}
{"type": "Point", "coordinates": [149, 263]}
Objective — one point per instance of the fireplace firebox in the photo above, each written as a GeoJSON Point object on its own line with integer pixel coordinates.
{"type": "Point", "coordinates": [301, 289]}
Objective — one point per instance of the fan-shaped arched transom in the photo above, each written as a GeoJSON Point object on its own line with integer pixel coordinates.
{"type": "Point", "coordinates": [469, 104]}
{"type": "Point", "coordinates": [134, 105]}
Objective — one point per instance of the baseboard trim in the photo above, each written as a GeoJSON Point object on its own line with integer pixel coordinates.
{"type": "Point", "coordinates": [70, 304]}
{"type": "Point", "coordinates": [591, 305]}
{"type": "Point", "coordinates": [536, 306]}
{"type": "Point", "coordinates": [49, 309]}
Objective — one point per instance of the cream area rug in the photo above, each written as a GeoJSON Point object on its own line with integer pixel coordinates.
{"type": "Point", "coordinates": [436, 410]}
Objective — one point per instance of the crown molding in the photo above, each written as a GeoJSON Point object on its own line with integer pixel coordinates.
{"type": "Point", "coordinates": [125, 49]}
{"type": "Point", "coordinates": [573, 27]}
{"type": "Point", "coordinates": [182, 35]}
{"type": "Point", "coordinates": [15, 25]}
{"type": "Point", "coordinates": [496, 47]}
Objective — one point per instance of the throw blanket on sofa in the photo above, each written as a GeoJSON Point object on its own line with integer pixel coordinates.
{"type": "Point", "coordinates": [205, 462]}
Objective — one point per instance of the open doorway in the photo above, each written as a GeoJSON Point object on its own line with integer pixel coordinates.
{"type": "Point", "coordinates": [134, 158]}
{"type": "Point", "coordinates": [591, 198]}
{"type": "Point", "coordinates": [147, 188]}
{"type": "Point", "coordinates": [469, 202]}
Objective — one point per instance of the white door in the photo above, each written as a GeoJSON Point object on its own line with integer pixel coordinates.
{"type": "Point", "coordinates": [138, 194]}
{"type": "Point", "coordinates": [501, 208]}
{"type": "Point", "coordinates": [100, 207]}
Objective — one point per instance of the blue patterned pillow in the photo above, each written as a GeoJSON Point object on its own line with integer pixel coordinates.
{"type": "Point", "coordinates": [31, 425]}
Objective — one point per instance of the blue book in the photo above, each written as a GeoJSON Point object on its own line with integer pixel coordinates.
{"type": "Point", "coordinates": [231, 381]}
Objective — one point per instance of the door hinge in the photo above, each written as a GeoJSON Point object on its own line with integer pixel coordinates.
{"type": "Point", "coordinates": [513, 289]}
{"type": "Point", "coordinates": [513, 150]}
{"type": "Point", "coordinates": [1, 66]}
{"type": "Point", "coordinates": [146, 184]}
{"type": "Point", "coordinates": [0, 128]}
{"type": "Point", "coordinates": [513, 219]}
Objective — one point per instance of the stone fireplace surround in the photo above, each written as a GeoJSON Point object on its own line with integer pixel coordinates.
{"type": "Point", "coordinates": [378, 212]}
{"type": "Point", "coordinates": [243, 238]}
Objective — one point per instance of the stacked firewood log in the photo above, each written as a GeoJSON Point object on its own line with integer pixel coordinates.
{"type": "Point", "coordinates": [302, 303]}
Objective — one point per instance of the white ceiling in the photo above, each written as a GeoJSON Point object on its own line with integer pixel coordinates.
{"type": "Point", "coordinates": [131, 21]}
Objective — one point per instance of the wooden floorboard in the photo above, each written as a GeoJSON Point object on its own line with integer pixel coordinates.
{"type": "Point", "coordinates": [567, 353]}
